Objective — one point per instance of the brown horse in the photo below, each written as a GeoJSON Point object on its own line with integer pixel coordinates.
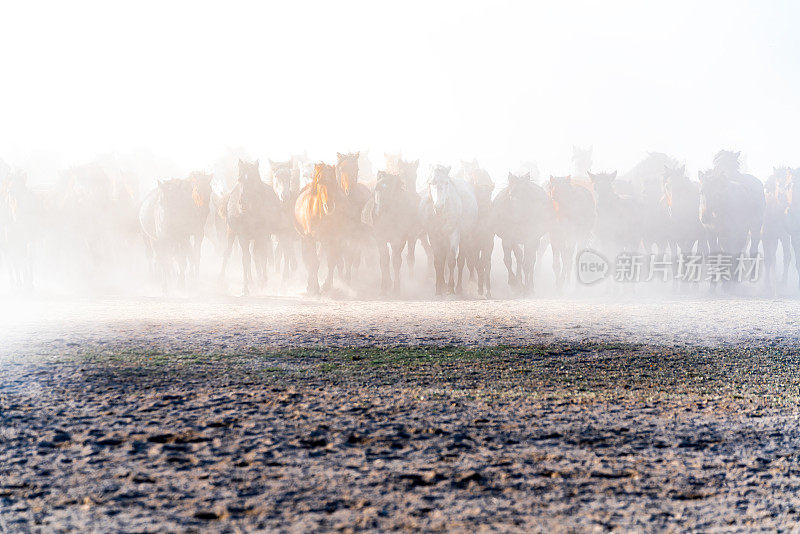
{"type": "Point", "coordinates": [321, 213]}
{"type": "Point", "coordinates": [252, 216]}
{"type": "Point", "coordinates": [522, 213]}
{"type": "Point", "coordinates": [286, 183]}
{"type": "Point", "coordinates": [201, 197]}
{"type": "Point", "coordinates": [482, 186]}
{"type": "Point", "coordinates": [574, 216]}
{"type": "Point", "coordinates": [357, 194]}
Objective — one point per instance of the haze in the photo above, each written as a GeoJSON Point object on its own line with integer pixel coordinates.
{"type": "Point", "coordinates": [501, 81]}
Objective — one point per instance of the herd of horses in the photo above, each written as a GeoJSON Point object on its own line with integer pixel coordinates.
{"type": "Point", "coordinates": [327, 216]}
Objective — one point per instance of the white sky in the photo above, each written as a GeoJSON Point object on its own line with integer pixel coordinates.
{"type": "Point", "coordinates": [500, 81]}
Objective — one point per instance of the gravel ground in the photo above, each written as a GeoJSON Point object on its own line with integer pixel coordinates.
{"type": "Point", "coordinates": [142, 415]}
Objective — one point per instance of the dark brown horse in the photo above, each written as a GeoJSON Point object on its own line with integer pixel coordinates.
{"type": "Point", "coordinates": [574, 216]}
{"type": "Point", "coordinates": [19, 221]}
{"type": "Point", "coordinates": [775, 229]}
{"type": "Point", "coordinates": [252, 216]}
{"type": "Point", "coordinates": [522, 214]}
{"type": "Point", "coordinates": [793, 214]}
{"type": "Point", "coordinates": [286, 183]}
{"type": "Point", "coordinates": [407, 170]}
{"type": "Point", "coordinates": [201, 197]}
{"type": "Point", "coordinates": [391, 214]}
{"type": "Point", "coordinates": [618, 225]}
{"type": "Point", "coordinates": [355, 235]}
{"type": "Point", "coordinates": [732, 206]}
{"type": "Point", "coordinates": [681, 198]}
{"type": "Point", "coordinates": [321, 215]}
{"type": "Point", "coordinates": [167, 220]}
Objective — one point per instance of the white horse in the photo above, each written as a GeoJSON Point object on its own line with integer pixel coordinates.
{"type": "Point", "coordinates": [449, 213]}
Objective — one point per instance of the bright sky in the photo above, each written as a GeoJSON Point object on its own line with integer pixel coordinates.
{"type": "Point", "coordinates": [500, 81]}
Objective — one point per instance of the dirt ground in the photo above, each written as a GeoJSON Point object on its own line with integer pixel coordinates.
{"type": "Point", "coordinates": [239, 415]}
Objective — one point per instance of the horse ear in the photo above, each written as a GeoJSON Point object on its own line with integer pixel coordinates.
{"type": "Point", "coordinates": [683, 170]}
{"type": "Point", "coordinates": [510, 176]}
{"type": "Point", "coordinates": [592, 177]}
{"type": "Point", "coordinates": [256, 164]}
{"type": "Point", "coordinates": [447, 170]}
{"type": "Point", "coordinates": [614, 175]}
{"type": "Point", "coordinates": [339, 156]}
{"type": "Point", "coordinates": [160, 182]}
{"type": "Point", "coordinates": [701, 176]}
{"type": "Point", "coordinates": [569, 179]}
{"type": "Point", "coordinates": [527, 176]}
{"type": "Point", "coordinates": [358, 154]}
{"type": "Point", "coordinates": [415, 164]}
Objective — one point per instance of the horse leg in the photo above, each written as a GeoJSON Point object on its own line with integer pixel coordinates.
{"type": "Point", "coordinates": [787, 258]}
{"type": "Point", "coordinates": [246, 261]}
{"type": "Point", "coordinates": [335, 257]}
{"type": "Point", "coordinates": [411, 243]}
{"type": "Point", "coordinates": [507, 261]}
{"type": "Point", "coordinates": [231, 237]}
{"type": "Point", "coordinates": [383, 256]}
{"type": "Point", "coordinates": [311, 260]}
{"type": "Point", "coordinates": [439, 257]}
{"type": "Point", "coordinates": [397, 262]}
{"type": "Point", "coordinates": [460, 260]}
{"type": "Point", "coordinates": [528, 265]}
{"type": "Point", "coordinates": [770, 257]}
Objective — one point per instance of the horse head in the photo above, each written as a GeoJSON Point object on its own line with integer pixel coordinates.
{"type": "Point", "coordinates": [440, 186]}
{"type": "Point", "coordinates": [727, 162]}
{"type": "Point", "coordinates": [201, 188]}
{"type": "Point", "coordinates": [251, 185]}
{"type": "Point", "coordinates": [713, 194]}
{"type": "Point", "coordinates": [325, 186]}
{"type": "Point", "coordinates": [347, 170]}
{"type": "Point", "coordinates": [282, 179]}
{"type": "Point", "coordinates": [388, 189]}
{"type": "Point", "coordinates": [674, 180]}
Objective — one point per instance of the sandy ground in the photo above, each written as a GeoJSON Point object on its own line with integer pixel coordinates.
{"type": "Point", "coordinates": [67, 326]}
{"type": "Point", "coordinates": [152, 415]}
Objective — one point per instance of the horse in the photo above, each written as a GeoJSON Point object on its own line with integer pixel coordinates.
{"type": "Point", "coordinates": [357, 194]}
{"type": "Point", "coordinates": [574, 216]}
{"type": "Point", "coordinates": [286, 183]}
{"type": "Point", "coordinates": [19, 217]}
{"type": "Point", "coordinates": [793, 215]}
{"type": "Point", "coordinates": [521, 214]}
{"type": "Point", "coordinates": [681, 197]}
{"type": "Point", "coordinates": [618, 220]}
{"type": "Point", "coordinates": [321, 213]}
{"type": "Point", "coordinates": [166, 216]}
{"type": "Point", "coordinates": [775, 229]}
{"type": "Point", "coordinates": [391, 214]}
{"type": "Point", "coordinates": [252, 215]}
{"type": "Point", "coordinates": [201, 196]}
{"type": "Point", "coordinates": [407, 170]}
{"type": "Point", "coordinates": [481, 265]}
{"type": "Point", "coordinates": [646, 185]}
{"type": "Point", "coordinates": [449, 213]}
{"type": "Point", "coordinates": [732, 206]}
